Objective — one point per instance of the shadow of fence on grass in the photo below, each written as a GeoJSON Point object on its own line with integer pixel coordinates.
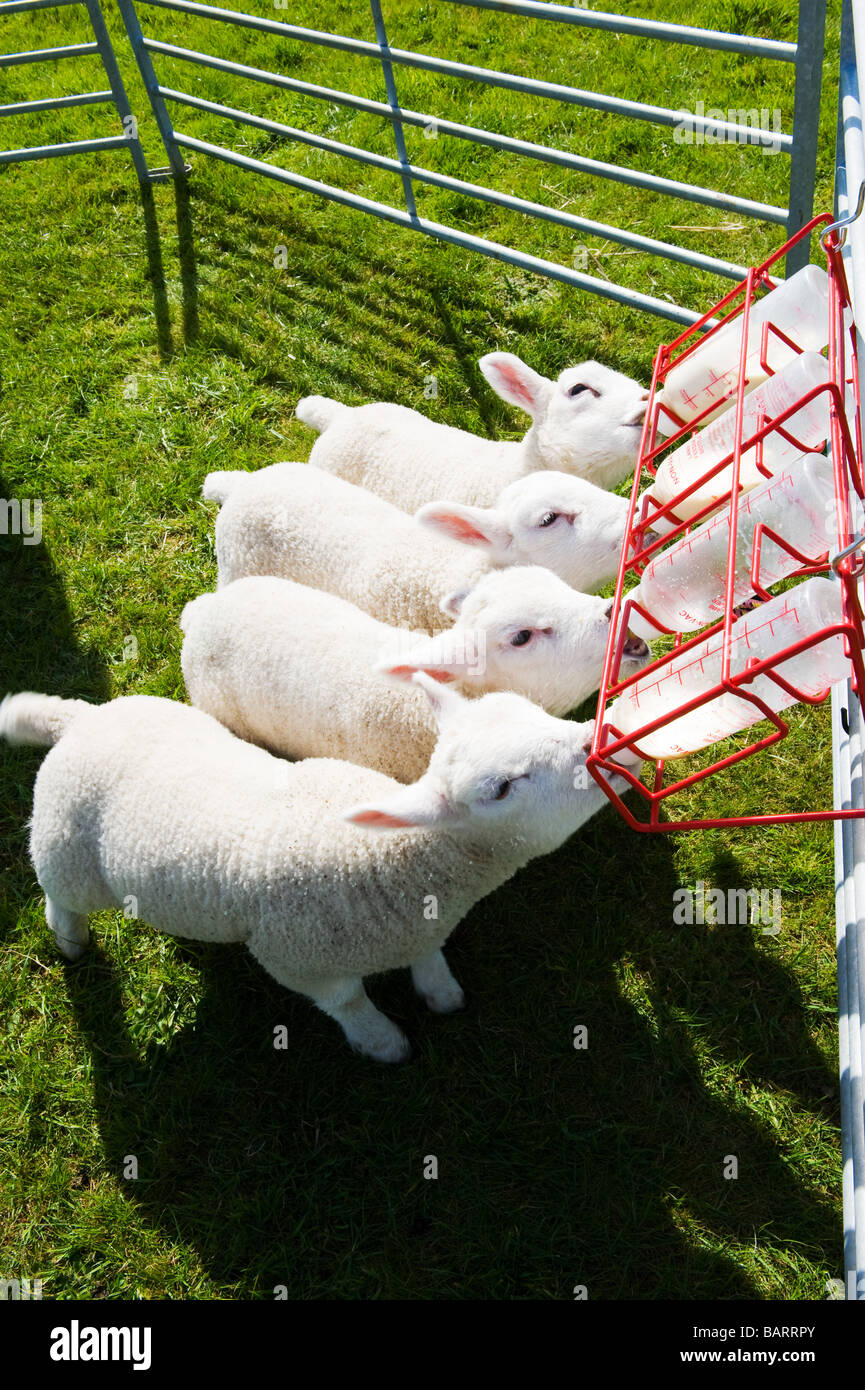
{"type": "Point", "coordinates": [340, 298]}
{"type": "Point", "coordinates": [156, 269]}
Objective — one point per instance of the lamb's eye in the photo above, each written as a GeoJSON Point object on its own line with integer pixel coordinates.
{"type": "Point", "coordinates": [502, 789]}
{"type": "Point", "coordinates": [520, 639]}
{"type": "Point", "coordinates": [548, 518]}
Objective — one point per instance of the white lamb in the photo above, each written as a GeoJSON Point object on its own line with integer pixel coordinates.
{"type": "Point", "coordinates": [153, 802]}
{"type": "Point", "coordinates": [297, 522]}
{"type": "Point", "coordinates": [297, 670]}
{"type": "Point", "coordinates": [587, 423]}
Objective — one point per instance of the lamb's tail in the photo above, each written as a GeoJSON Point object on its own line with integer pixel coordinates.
{"type": "Point", "coordinates": [319, 412]}
{"type": "Point", "coordinates": [192, 610]}
{"type": "Point", "coordinates": [218, 487]}
{"type": "Point", "coordinates": [38, 719]}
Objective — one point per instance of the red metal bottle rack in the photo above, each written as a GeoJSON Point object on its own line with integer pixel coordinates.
{"type": "Point", "coordinates": [642, 545]}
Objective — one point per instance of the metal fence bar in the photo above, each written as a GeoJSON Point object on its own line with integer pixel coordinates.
{"type": "Point", "coordinates": [176, 163]}
{"type": "Point", "coordinates": [583, 224]}
{"type": "Point", "coordinates": [110, 142]}
{"type": "Point", "coordinates": [633, 177]}
{"type": "Point", "coordinates": [651, 182]}
{"type": "Point", "coordinates": [20, 108]}
{"type": "Point", "coordinates": [19, 6]}
{"type": "Point", "coordinates": [306, 137]}
{"type": "Point", "coordinates": [806, 126]}
{"type": "Point", "coordinates": [650, 245]}
{"type": "Point", "coordinates": [595, 101]}
{"type": "Point", "coordinates": [48, 55]}
{"type": "Point", "coordinates": [848, 752]}
{"type": "Point", "coordinates": [619, 293]}
{"type": "Point", "coordinates": [848, 734]}
{"type": "Point", "coordinates": [539, 210]}
{"type": "Point", "coordinates": [641, 28]}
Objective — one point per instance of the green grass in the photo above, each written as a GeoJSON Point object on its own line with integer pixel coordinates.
{"type": "Point", "coordinates": [143, 345]}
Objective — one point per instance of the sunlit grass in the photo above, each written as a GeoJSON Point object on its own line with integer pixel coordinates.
{"type": "Point", "coordinates": [134, 365]}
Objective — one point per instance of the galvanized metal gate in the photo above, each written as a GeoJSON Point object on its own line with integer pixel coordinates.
{"type": "Point", "coordinates": [800, 144]}
{"type": "Point", "coordinates": [116, 95]}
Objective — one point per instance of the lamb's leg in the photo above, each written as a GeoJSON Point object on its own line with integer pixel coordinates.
{"type": "Point", "coordinates": [367, 1029]}
{"type": "Point", "coordinates": [432, 978]}
{"type": "Point", "coordinates": [71, 931]}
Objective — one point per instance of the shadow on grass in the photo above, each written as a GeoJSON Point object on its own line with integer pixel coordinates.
{"type": "Point", "coordinates": [156, 268]}
{"type": "Point", "coordinates": [303, 1166]}
{"type": "Point", "coordinates": [186, 255]}
{"type": "Point", "coordinates": [353, 300]}
{"type": "Point", "coordinates": [41, 652]}
{"type": "Point", "coordinates": [156, 273]}
{"type": "Point", "coordinates": [37, 636]}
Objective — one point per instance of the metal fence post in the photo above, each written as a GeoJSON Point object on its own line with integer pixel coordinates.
{"type": "Point", "coordinates": [118, 91]}
{"type": "Point", "coordinates": [177, 165]}
{"type": "Point", "coordinates": [393, 102]}
{"type": "Point", "coordinates": [848, 729]}
{"type": "Point", "coordinates": [806, 125]}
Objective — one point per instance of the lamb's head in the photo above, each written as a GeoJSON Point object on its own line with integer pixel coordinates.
{"type": "Point", "coordinates": [548, 518]}
{"type": "Point", "coordinates": [522, 630]}
{"type": "Point", "coordinates": [503, 772]}
{"type": "Point", "coordinates": [588, 422]}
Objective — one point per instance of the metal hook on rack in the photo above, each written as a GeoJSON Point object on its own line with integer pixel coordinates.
{"type": "Point", "coordinates": [845, 221]}
{"type": "Point", "coordinates": [854, 545]}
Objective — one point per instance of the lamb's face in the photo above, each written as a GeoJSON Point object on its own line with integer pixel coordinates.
{"type": "Point", "coordinates": [522, 630]}
{"type": "Point", "coordinates": [502, 771]}
{"type": "Point", "coordinates": [541, 638]}
{"type": "Point", "coordinates": [567, 525]}
{"type": "Point", "coordinates": [592, 423]}
{"type": "Point", "coordinates": [508, 769]}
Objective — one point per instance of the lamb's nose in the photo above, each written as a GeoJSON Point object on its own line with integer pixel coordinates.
{"type": "Point", "coordinates": [638, 415]}
{"type": "Point", "coordinates": [635, 649]}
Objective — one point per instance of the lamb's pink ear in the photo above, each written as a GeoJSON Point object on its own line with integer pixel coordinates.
{"type": "Point", "coordinates": [404, 668]}
{"type": "Point", "coordinates": [471, 525]}
{"type": "Point", "coordinates": [511, 379]}
{"type": "Point", "coordinates": [444, 702]}
{"type": "Point", "coordinates": [422, 804]}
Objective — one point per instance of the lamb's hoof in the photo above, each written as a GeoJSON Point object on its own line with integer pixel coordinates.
{"type": "Point", "coordinates": [451, 1001]}
{"type": "Point", "coordinates": [72, 950]}
{"type": "Point", "coordinates": [390, 1050]}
